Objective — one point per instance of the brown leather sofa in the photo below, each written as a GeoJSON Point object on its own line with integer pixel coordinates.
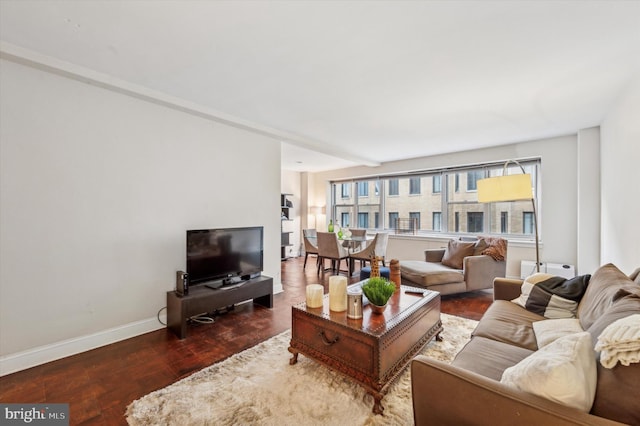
{"type": "Point", "coordinates": [469, 390]}
{"type": "Point", "coordinates": [475, 271]}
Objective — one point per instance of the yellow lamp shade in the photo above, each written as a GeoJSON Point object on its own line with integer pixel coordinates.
{"type": "Point", "coordinates": [505, 188]}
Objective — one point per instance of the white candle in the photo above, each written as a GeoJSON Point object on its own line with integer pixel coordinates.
{"type": "Point", "coordinates": [337, 293]}
{"type": "Point", "coordinates": [315, 292]}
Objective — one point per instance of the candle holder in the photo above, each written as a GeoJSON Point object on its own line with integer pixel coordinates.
{"type": "Point", "coordinates": [337, 293]}
{"type": "Point", "coordinates": [315, 294]}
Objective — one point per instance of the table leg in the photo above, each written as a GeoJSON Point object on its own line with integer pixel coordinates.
{"type": "Point", "coordinates": [377, 404]}
{"type": "Point", "coordinates": [294, 358]}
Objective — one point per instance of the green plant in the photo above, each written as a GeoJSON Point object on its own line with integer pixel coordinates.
{"type": "Point", "coordinates": [378, 290]}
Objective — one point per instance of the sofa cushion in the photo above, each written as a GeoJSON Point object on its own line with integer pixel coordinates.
{"type": "Point", "coordinates": [603, 287]}
{"type": "Point", "coordinates": [480, 246]}
{"type": "Point", "coordinates": [489, 358]}
{"type": "Point", "coordinates": [617, 394]}
{"type": "Point", "coordinates": [429, 273]}
{"type": "Point", "coordinates": [563, 371]}
{"type": "Point", "coordinates": [552, 296]}
{"type": "Point", "coordinates": [455, 253]}
{"type": "Point", "coordinates": [550, 330]}
{"type": "Point", "coordinates": [509, 323]}
{"type": "Point", "coordinates": [625, 302]}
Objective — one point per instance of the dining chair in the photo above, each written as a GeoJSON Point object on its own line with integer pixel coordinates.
{"type": "Point", "coordinates": [309, 247]}
{"type": "Point", "coordinates": [358, 233]}
{"type": "Point", "coordinates": [363, 255]}
{"type": "Point", "coordinates": [330, 248]}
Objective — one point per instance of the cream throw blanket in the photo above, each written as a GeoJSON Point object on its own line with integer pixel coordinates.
{"type": "Point", "coordinates": [620, 341]}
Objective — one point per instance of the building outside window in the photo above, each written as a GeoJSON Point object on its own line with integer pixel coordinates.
{"type": "Point", "coordinates": [397, 199]}
{"type": "Point", "coordinates": [393, 219]}
{"type": "Point", "coordinates": [437, 221]}
{"type": "Point", "coordinates": [414, 186]}
{"type": "Point", "coordinates": [472, 179]}
{"type": "Point", "coordinates": [346, 190]}
{"type": "Point", "coordinates": [475, 221]}
{"type": "Point", "coordinates": [436, 186]}
{"type": "Point", "coordinates": [394, 186]}
{"type": "Point", "coordinates": [527, 223]}
{"type": "Point", "coordinates": [363, 220]}
{"type": "Point", "coordinates": [363, 189]}
{"type": "Point", "coordinates": [504, 220]}
{"type": "Point", "coordinates": [344, 219]}
{"type": "Point", "coordinates": [415, 219]}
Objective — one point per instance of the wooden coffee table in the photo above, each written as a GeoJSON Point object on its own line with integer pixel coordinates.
{"type": "Point", "coordinates": [372, 350]}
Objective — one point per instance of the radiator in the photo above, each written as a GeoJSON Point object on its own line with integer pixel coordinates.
{"type": "Point", "coordinates": [528, 267]}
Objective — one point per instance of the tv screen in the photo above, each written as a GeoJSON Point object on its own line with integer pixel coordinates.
{"type": "Point", "coordinates": [215, 254]}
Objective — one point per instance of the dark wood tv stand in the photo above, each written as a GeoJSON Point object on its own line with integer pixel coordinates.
{"type": "Point", "coordinates": [203, 299]}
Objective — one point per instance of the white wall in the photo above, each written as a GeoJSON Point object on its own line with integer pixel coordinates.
{"type": "Point", "coordinates": [588, 244]}
{"type": "Point", "coordinates": [620, 198]}
{"type": "Point", "coordinates": [558, 205]}
{"type": "Point", "coordinates": [97, 190]}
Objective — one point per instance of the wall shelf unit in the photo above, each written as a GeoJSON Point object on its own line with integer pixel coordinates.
{"type": "Point", "coordinates": [286, 207]}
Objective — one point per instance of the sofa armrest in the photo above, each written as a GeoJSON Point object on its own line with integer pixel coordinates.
{"type": "Point", "coordinates": [506, 288]}
{"type": "Point", "coordinates": [445, 394]}
{"type": "Point", "coordinates": [433, 255]}
{"type": "Point", "coordinates": [479, 271]}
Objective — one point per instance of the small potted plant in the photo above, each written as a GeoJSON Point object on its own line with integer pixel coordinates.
{"type": "Point", "coordinates": [378, 290]}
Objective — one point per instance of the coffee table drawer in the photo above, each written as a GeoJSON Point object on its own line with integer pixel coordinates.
{"type": "Point", "coordinates": [341, 344]}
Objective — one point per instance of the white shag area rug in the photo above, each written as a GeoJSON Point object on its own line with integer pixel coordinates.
{"type": "Point", "coordinates": [258, 386]}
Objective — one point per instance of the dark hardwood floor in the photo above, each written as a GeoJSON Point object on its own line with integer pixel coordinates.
{"type": "Point", "coordinates": [99, 384]}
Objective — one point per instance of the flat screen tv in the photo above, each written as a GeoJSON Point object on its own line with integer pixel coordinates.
{"type": "Point", "coordinates": [226, 254]}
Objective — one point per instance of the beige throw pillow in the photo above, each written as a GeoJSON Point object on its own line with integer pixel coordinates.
{"type": "Point", "coordinates": [550, 330]}
{"type": "Point", "coordinates": [455, 253]}
{"type": "Point", "coordinates": [564, 371]}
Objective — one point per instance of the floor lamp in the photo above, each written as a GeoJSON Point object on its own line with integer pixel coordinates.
{"type": "Point", "coordinates": [510, 188]}
{"type": "Point", "coordinates": [315, 211]}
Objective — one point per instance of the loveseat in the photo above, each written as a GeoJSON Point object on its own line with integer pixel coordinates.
{"type": "Point", "coordinates": [470, 390]}
{"type": "Point", "coordinates": [460, 267]}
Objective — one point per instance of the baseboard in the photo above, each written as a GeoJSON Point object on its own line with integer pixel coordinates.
{"type": "Point", "coordinates": [47, 353]}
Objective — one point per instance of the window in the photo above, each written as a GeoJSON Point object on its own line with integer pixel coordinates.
{"type": "Point", "coordinates": [363, 220]}
{"type": "Point", "coordinates": [436, 184]}
{"type": "Point", "coordinates": [415, 219]}
{"type": "Point", "coordinates": [345, 190]}
{"type": "Point", "coordinates": [437, 221]}
{"type": "Point", "coordinates": [393, 220]}
{"type": "Point", "coordinates": [363, 189]}
{"type": "Point", "coordinates": [472, 179]}
{"type": "Point", "coordinates": [451, 206]}
{"type": "Point", "coordinates": [414, 186]}
{"type": "Point", "coordinates": [344, 219]}
{"type": "Point", "coordinates": [475, 221]}
{"type": "Point", "coordinates": [527, 223]}
{"type": "Point", "coordinates": [394, 187]}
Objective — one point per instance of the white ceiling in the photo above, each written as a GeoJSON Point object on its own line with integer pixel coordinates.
{"type": "Point", "coordinates": [357, 82]}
